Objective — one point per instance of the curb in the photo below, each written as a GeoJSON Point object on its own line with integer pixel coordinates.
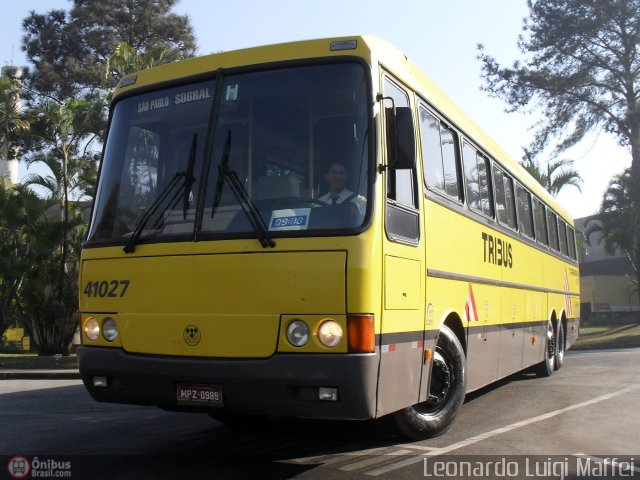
{"type": "Point", "coordinates": [39, 374]}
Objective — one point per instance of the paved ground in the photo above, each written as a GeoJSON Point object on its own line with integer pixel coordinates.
{"type": "Point", "coordinates": [588, 410]}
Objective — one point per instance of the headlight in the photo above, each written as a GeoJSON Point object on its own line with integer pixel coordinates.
{"type": "Point", "coordinates": [91, 328]}
{"type": "Point", "coordinates": [109, 329]}
{"type": "Point", "coordinates": [330, 333]}
{"type": "Point", "coordinates": [298, 333]}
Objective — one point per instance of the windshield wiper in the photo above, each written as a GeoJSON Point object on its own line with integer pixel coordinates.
{"type": "Point", "coordinates": [185, 189]}
{"type": "Point", "coordinates": [249, 208]}
{"type": "Point", "coordinates": [182, 179]}
{"type": "Point", "coordinates": [188, 176]}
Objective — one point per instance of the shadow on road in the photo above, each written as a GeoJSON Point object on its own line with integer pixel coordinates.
{"type": "Point", "coordinates": [123, 441]}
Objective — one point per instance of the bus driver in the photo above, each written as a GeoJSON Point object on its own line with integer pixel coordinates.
{"type": "Point", "coordinates": [338, 193]}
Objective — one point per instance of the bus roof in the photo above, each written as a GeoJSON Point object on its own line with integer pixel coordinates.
{"type": "Point", "coordinates": [374, 50]}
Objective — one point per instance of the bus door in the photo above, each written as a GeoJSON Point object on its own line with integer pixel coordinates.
{"type": "Point", "coordinates": [402, 340]}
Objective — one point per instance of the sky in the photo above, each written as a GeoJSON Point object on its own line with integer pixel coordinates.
{"type": "Point", "coordinates": [440, 37]}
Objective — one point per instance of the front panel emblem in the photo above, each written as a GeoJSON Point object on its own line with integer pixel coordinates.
{"type": "Point", "coordinates": [191, 335]}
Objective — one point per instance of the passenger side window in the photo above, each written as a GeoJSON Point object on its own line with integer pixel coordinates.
{"type": "Point", "coordinates": [552, 227]}
{"type": "Point", "coordinates": [571, 238]}
{"type": "Point", "coordinates": [439, 157]}
{"type": "Point", "coordinates": [540, 222]}
{"type": "Point", "coordinates": [562, 231]}
{"type": "Point", "coordinates": [476, 171]}
{"type": "Point", "coordinates": [505, 208]}
{"type": "Point", "coordinates": [524, 211]}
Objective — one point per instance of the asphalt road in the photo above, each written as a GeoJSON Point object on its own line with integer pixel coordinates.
{"type": "Point", "coordinates": [531, 427]}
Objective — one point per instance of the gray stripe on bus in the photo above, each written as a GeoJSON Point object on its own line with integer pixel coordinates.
{"type": "Point", "coordinates": [489, 281]}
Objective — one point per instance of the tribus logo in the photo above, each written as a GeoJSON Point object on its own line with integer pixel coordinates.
{"type": "Point", "coordinates": [19, 467]}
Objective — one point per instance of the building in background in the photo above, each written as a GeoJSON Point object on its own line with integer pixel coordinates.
{"type": "Point", "coordinates": [607, 282]}
{"type": "Point", "coordinates": [9, 165]}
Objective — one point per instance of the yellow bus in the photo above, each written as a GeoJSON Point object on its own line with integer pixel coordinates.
{"type": "Point", "coordinates": [314, 229]}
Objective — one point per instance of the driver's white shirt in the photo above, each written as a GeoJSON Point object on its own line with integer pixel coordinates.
{"type": "Point", "coordinates": [344, 194]}
{"type": "Point", "coordinates": [358, 200]}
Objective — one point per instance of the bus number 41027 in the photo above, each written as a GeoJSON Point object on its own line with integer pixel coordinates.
{"type": "Point", "coordinates": [106, 288]}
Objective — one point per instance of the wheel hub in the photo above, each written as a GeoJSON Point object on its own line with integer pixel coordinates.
{"type": "Point", "coordinates": [551, 343]}
{"type": "Point", "coordinates": [440, 381]}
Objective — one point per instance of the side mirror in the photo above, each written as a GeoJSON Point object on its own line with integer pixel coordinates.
{"type": "Point", "coordinates": [401, 141]}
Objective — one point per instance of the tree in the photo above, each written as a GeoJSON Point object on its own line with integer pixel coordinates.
{"type": "Point", "coordinates": [582, 69]}
{"type": "Point", "coordinates": [65, 131]}
{"type": "Point", "coordinates": [48, 297]}
{"type": "Point", "coordinates": [62, 141]}
{"type": "Point", "coordinates": [126, 59]}
{"type": "Point", "coordinates": [557, 174]}
{"type": "Point", "coordinates": [20, 210]}
{"type": "Point", "coordinates": [617, 222]}
{"type": "Point", "coordinates": [45, 238]}
{"type": "Point", "coordinates": [12, 121]}
{"type": "Point", "coordinates": [69, 50]}
{"type": "Point", "coordinates": [65, 93]}
{"type": "Point", "coordinates": [32, 293]}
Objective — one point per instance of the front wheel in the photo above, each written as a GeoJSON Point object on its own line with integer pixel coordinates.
{"type": "Point", "coordinates": [446, 392]}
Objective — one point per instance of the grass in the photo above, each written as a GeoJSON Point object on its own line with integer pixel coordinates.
{"type": "Point", "coordinates": [34, 361]}
{"type": "Point", "coordinates": [609, 337]}
{"type": "Point", "coordinates": [585, 331]}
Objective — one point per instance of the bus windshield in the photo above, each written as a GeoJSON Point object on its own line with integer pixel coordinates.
{"type": "Point", "coordinates": [182, 163]}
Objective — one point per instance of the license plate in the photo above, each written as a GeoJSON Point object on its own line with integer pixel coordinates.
{"type": "Point", "coordinates": [197, 394]}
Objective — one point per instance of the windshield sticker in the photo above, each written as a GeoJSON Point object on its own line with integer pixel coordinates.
{"type": "Point", "coordinates": [192, 96]}
{"type": "Point", "coordinates": [153, 104]}
{"type": "Point", "coordinates": [232, 93]}
{"type": "Point", "coordinates": [289, 219]}
{"type": "Point", "coordinates": [174, 99]}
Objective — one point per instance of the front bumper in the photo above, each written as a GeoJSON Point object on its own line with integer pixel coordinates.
{"type": "Point", "coordinates": [285, 384]}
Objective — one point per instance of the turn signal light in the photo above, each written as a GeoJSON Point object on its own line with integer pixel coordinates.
{"type": "Point", "coordinates": [360, 333]}
{"type": "Point", "coordinates": [427, 356]}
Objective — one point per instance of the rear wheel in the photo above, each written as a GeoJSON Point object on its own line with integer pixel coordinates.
{"type": "Point", "coordinates": [560, 347]}
{"type": "Point", "coordinates": [446, 392]}
{"type": "Point", "coordinates": [546, 367]}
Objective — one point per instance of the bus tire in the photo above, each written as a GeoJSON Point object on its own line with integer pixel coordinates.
{"type": "Point", "coordinates": [545, 367]}
{"type": "Point", "coordinates": [560, 347]}
{"type": "Point", "coordinates": [446, 392]}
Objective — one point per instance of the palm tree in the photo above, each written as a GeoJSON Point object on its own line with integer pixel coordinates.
{"type": "Point", "coordinates": [65, 132]}
{"type": "Point", "coordinates": [21, 212]}
{"type": "Point", "coordinates": [12, 121]}
{"type": "Point", "coordinates": [619, 220]}
{"type": "Point", "coordinates": [32, 292]}
{"type": "Point", "coordinates": [49, 297]}
{"type": "Point", "coordinates": [127, 59]}
{"type": "Point", "coordinates": [557, 175]}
